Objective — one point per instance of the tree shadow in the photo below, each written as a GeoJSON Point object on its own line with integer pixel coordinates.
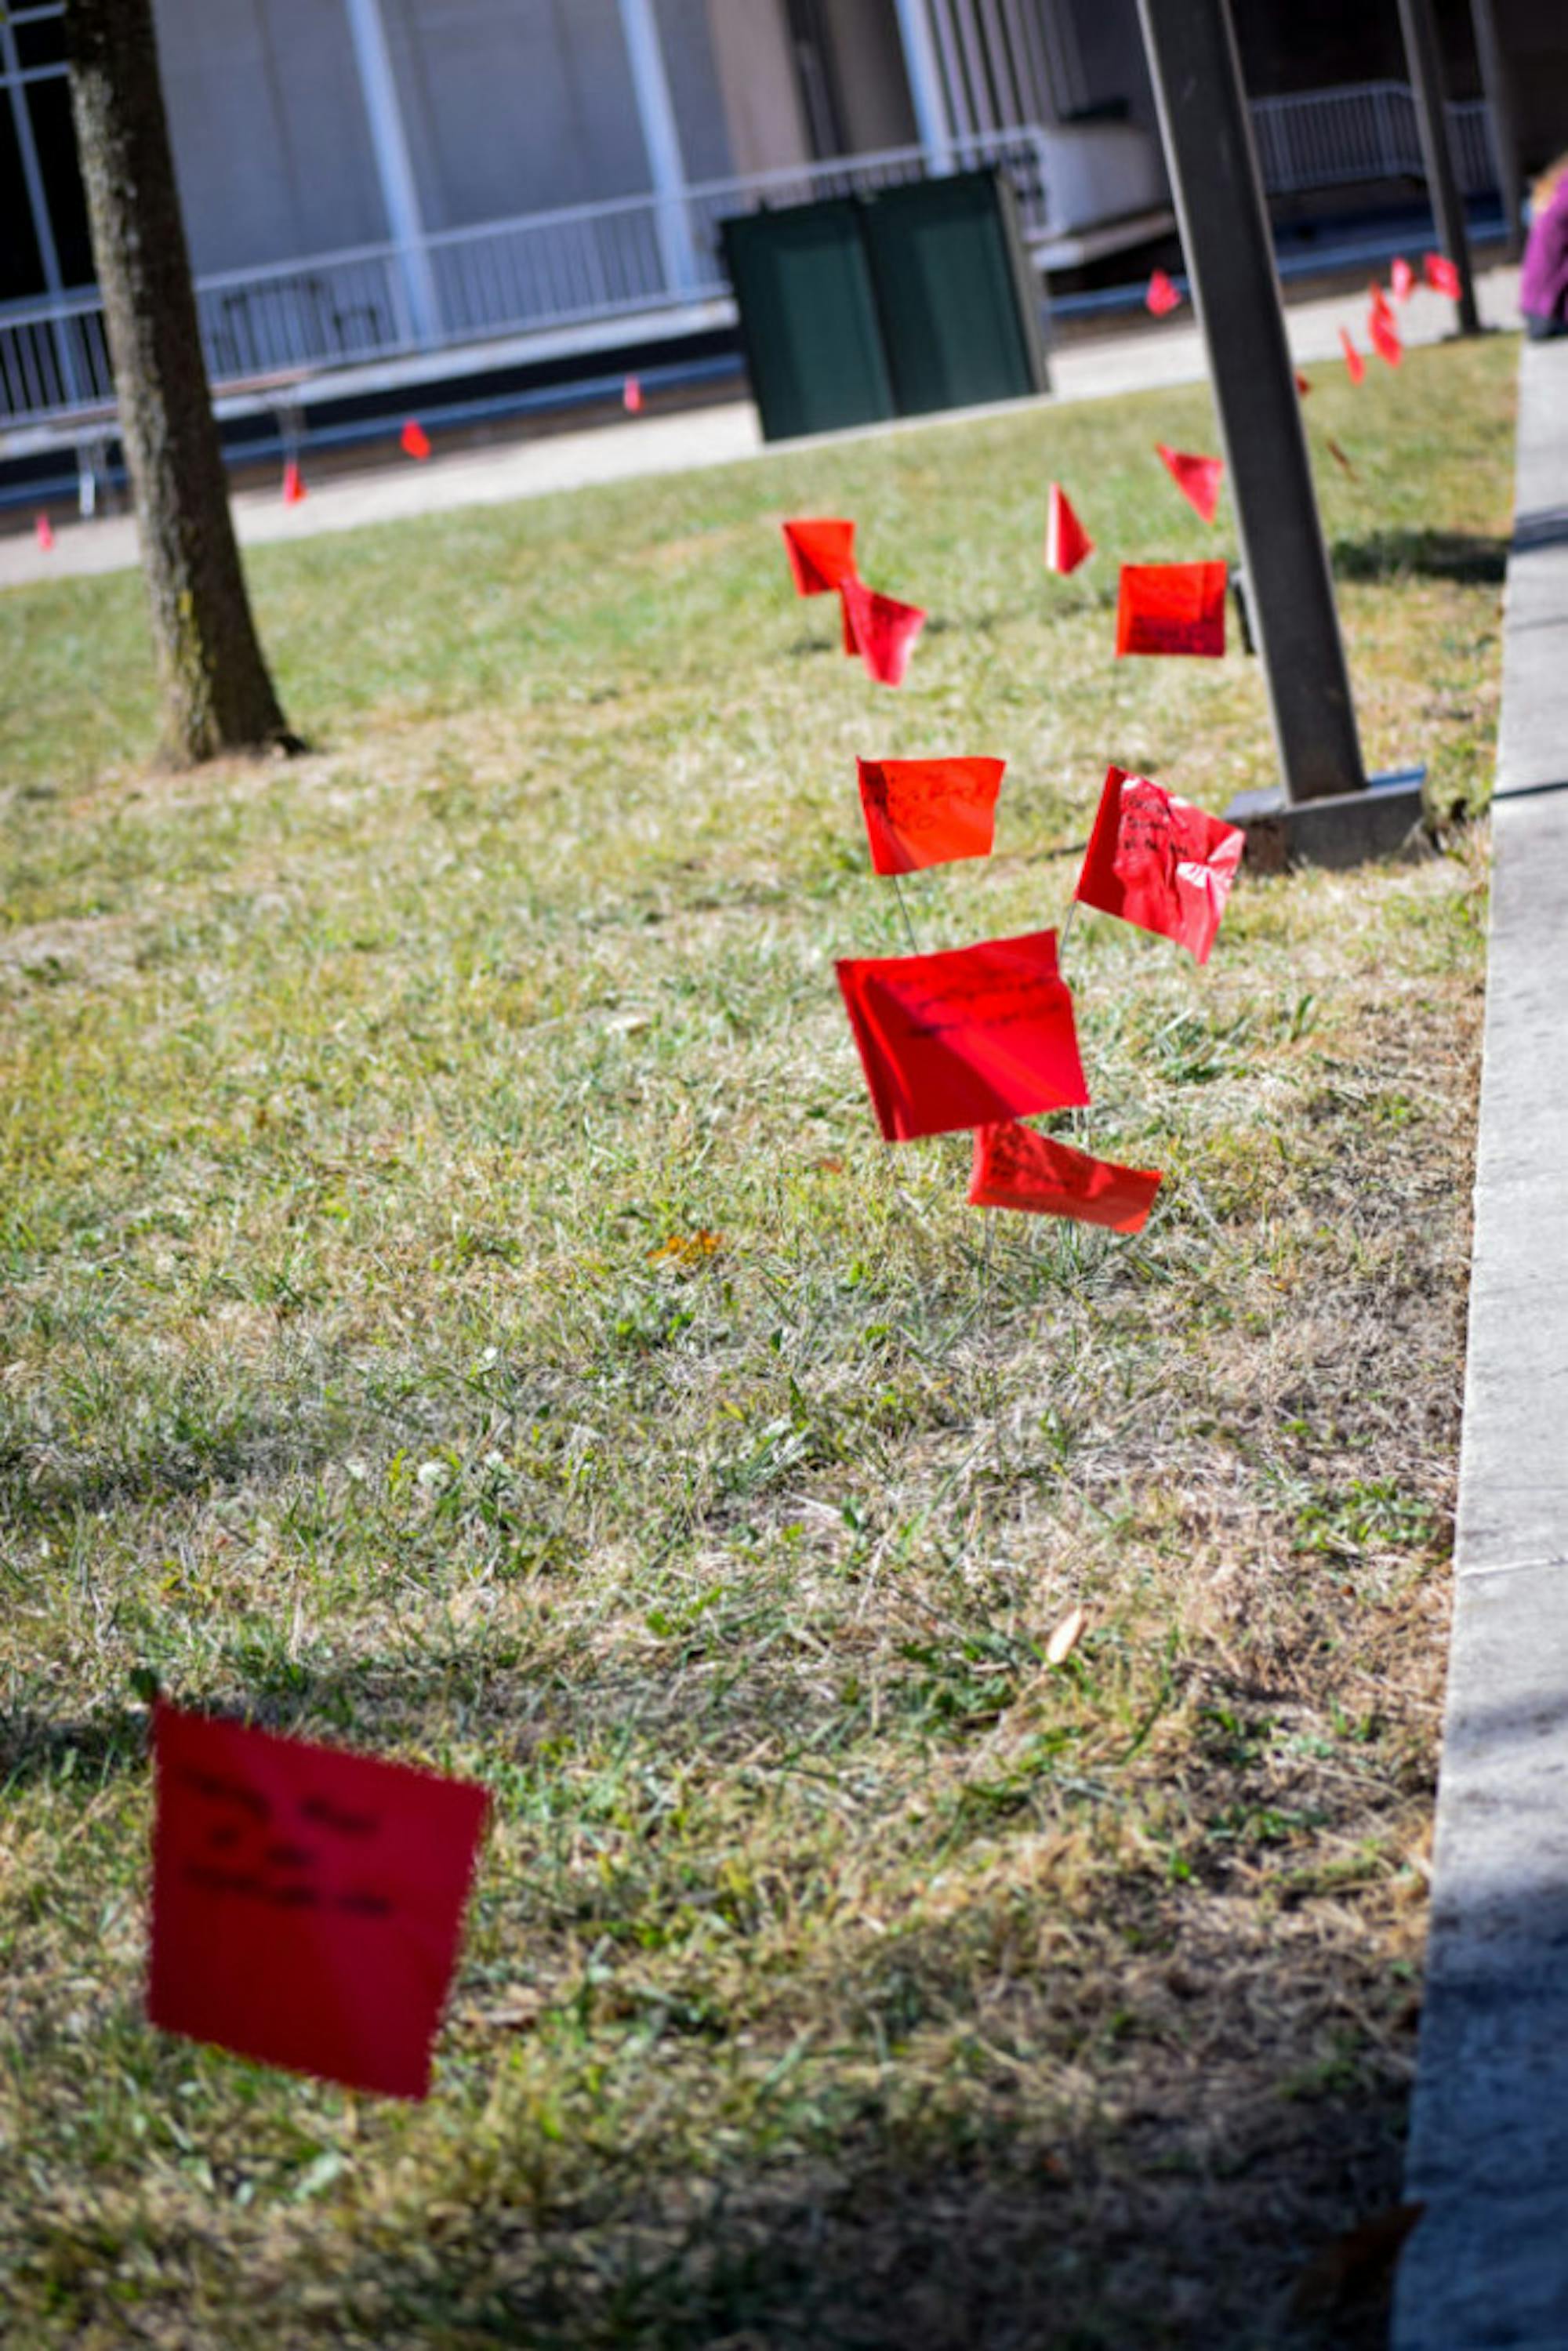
{"type": "Point", "coordinates": [1472, 559]}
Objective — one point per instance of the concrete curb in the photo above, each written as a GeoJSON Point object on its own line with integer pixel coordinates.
{"type": "Point", "coordinates": [1487, 2268]}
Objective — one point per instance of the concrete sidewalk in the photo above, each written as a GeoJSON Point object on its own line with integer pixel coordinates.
{"type": "Point", "coordinates": [1488, 2265]}
{"type": "Point", "coordinates": [1145, 360]}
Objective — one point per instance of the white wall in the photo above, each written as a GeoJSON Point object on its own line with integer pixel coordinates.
{"type": "Point", "coordinates": [271, 146]}
{"type": "Point", "coordinates": [760, 96]}
{"type": "Point", "coordinates": [875, 89]}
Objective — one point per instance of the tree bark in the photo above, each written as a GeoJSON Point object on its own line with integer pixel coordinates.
{"type": "Point", "coordinates": [217, 695]}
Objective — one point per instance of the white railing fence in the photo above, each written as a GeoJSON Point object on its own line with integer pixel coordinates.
{"type": "Point", "coordinates": [1330, 137]}
{"type": "Point", "coordinates": [634, 256]}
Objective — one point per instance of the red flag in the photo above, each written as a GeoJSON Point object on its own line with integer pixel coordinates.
{"type": "Point", "coordinates": [821, 555]}
{"type": "Point", "coordinates": [1385, 334]}
{"type": "Point", "coordinates": [928, 811]}
{"type": "Point", "coordinates": [884, 629]}
{"type": "Point", "coordinates": [1197, 478]}
{"type": "Point", "coordinates": [1171, 608]}
{"type": "Point", "coordinates": [1015, 1167]}
{"type": "Point", "coordinates": [307, 1903]}
{"type": "Point", "coordinates": [964, 1037]}
{"type": "Point", "coordinates": [1402, 278]}
{"type": "Point", "coordinates": [293, 485]}
{"type": "Point", "coordinates": [415, 440]}
{"type": "Point", "coordinates": [1303, 386]}
{"type": "Point", "coordinates": [1441, 275]}
{"type": "Point", "coordinates": [1067, 543]}
{"type": "Point", "coordinates": [631, 396]}
{"type": "Point", "coordinates": [1355, 366]}
{"type": "Point", "coordinates": [1162, 296]}
{"type": "Point", "coordinates": [45, 531]}
{"type": "Point", "coordinates": [1159, 861]}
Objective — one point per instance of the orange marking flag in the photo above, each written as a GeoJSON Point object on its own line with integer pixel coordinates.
{"type": "Point", "coordinates": [928, 811]}
{"type": "Point", "coordinates": [1197, 478]}
{"type": "Point", "coordinates": [1355, 366]}
{"type": "Point", "coordinates": [1171, 608]}
{"type": "Point", "coordinates": [1303, 385]}
{"type": "Point", "coordinates": [1015, 1167]}
{"type": "Point", "coordinates": [307, 1902]}
{"type": "Point", "coordinates": [1159, 861]}
{"type": "Point", "coordinates": [415, 440]}
{"type": "Point", "coordinates": [821, 555]}
{"type": "Point", "coordinates": [1402, 278]}
{"type": "Point", "coordinates": [1162, 296]}
{"type": "Point", "coordinates": [883, 631]}
{"type": "Point", "coordinates": [1067, 543]}
{"type": "Point", "coordinates": [43, 531]}
{"type": "Point", "coordinates": [631, 396]}
{"type": "Point", "coordinates": [1441, 275]}
{"type": "Point", "coordinates": [964, 1037]}
{"type": "Point", "coordinates": [293, 485]}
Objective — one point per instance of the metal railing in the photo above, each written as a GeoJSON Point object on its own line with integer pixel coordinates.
{"type": "Point", "coordinates": [634, 256]}
{"type": "Point", "coordinates": [569, 267]}
{"type": "Point", "coordinates": [1366, 131]}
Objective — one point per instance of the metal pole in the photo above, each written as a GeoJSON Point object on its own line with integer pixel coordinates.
{"type": "Point", "coordinates": [1230, 264]}
{"type": "Point", "coordinates": [661, 139]}
{"type": "Point", "coordinates": [394, 169]}
{"type": "Point", "coordinates": [927, 93]}
{"type": "Point", "coordinates": [1499, 112]}
{"type": "Point", "coordinates": [1425, 62]}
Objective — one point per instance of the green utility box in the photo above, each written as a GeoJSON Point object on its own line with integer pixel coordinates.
{"type": "Point", "coordinates": [918, 298]}
{"type": "Point", "coordinates": [809, 318]}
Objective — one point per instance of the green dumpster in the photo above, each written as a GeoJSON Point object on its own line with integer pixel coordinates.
{"type": "Point", "coordinates": [861, 307]}
{"type": "Point", "coordinates": [809, 318]}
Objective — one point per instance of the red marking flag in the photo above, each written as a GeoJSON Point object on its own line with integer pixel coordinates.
{"type": "Point", "coordinates": [1402, 278]}
{"type": "Point", "coordinates": [1067, 543]}
{"type": "Point", "coordinates": [293, 485]}
{"type": "Point", "coordinates": [1441, 275]}
{"type": "Point", "coordinates": [821, 555]}
{"type": "Point", "coordinates": [1197, 478]}
{"type": "Point", "coordinates": [1159, 861]}
{"type": "Point", "coordinates": [43, 529]}
{"type": "Point", "coordinates": [1171, 608]}
{"type": "Point", "coordinates": [1303, 385]}
{"type": "Point", "coordinates": [964, 1037]}
{"type": "Point", "coordinates": [1385, 334]}
{"type": "Point", "coordinates": [415, 440]}
{"type": "Point", "coordinates": [1355, 366]}
{"type": "Point", "coordinates": [928, 811]}
{"type": "Point", "coordinates": [883, 631]}
{"type": "Point", "coordinates": [1015, 1167]}
{"type": "Point", "coordinates": [307, 1903]}
{"type": "Point", "coordinates": [1162, 296]}
{"type": "Point", "coordinates": [631, 396]}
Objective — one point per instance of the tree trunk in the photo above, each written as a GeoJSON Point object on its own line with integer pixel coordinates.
{"type": "Point", "coordinates": [217, 695]}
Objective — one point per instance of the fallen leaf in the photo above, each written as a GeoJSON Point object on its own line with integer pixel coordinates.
{"type": "Point", "coordinates": [1065, 1638]}
{"type": "Point", "coordinates": [686, 1248]}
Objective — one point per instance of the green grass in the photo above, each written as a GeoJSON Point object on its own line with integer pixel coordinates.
{"type": "Point", "coordinates": [840, 1972]}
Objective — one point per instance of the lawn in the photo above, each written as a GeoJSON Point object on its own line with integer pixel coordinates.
{"type": "Point", "coordinates": [456, 1303]}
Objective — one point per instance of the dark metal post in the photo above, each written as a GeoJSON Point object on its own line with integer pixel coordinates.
{"type": "Point", "coordinates": [1500, 107]}
{"type": "Point", "coordinates": [1425, 62]}
{"type": "Point", "coordinates": [1230, 263]}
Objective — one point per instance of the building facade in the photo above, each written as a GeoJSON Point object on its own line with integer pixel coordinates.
{"type": "Point", "coordinates": [375, 180]}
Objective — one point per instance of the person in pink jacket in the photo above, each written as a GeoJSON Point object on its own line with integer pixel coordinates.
{"type": "Point", "coordinates": [1544, 277]}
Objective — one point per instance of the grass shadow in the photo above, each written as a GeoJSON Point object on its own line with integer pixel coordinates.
{"type": "Point", "coordinates": [1472, 559]}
